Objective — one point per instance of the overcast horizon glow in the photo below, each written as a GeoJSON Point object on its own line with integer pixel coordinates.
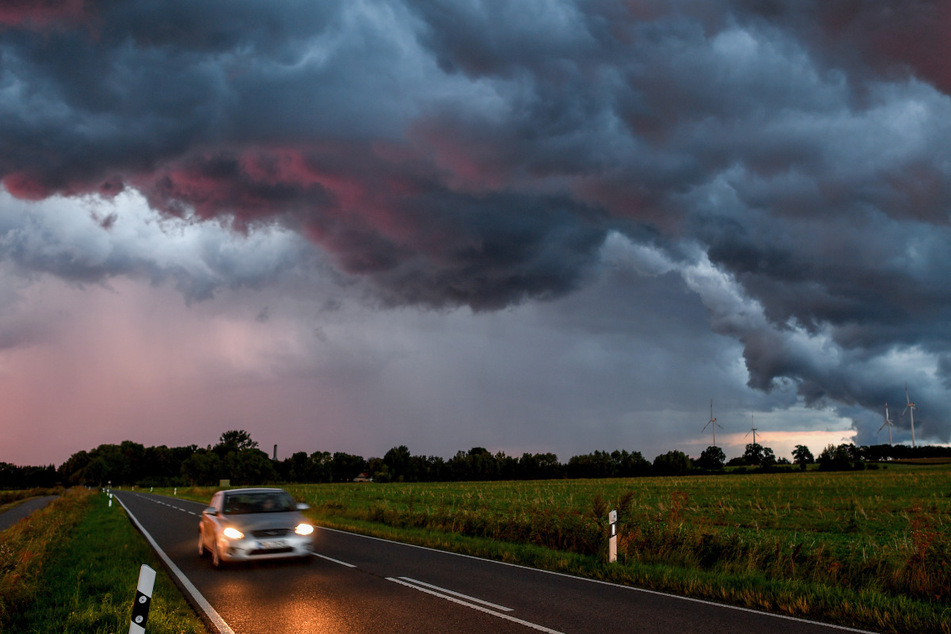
{"type": "Point", "coordinates": [552, 226]}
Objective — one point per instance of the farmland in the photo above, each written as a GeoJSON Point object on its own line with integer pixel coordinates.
{"type": "Point", "coordinates": [869, 548]}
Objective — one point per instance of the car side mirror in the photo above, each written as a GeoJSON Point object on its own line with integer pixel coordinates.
{"type": "Point", "coordinates": [210, 511]}
{"type": "Point", "coordinates": [302, 507]}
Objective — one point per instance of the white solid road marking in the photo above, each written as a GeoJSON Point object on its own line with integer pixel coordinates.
{"type": "Point", "coordinates": [484, 610]}
{"type": "Point", "coordinates": [456, 594]}
{"type": "Point", "coordinates": [336, 561]}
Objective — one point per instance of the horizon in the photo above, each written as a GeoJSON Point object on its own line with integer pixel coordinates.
{"type": "Point", "coordinates": [286, 454]}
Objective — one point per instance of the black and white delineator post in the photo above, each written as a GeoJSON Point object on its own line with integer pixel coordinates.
{"type": "Point", "coordinates": [143, 599]}
{"type": "Point", "coordinates": [612, 539]}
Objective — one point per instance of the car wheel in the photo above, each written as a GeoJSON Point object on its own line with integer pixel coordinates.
{"type": "Point", "coordinates": [201, 544]}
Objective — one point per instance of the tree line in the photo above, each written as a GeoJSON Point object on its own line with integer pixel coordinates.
{"type": "Point", "coordinates": [237, 458]}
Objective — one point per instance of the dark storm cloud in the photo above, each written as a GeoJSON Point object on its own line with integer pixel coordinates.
{"type": "Point", "coordinates": [478, 153]}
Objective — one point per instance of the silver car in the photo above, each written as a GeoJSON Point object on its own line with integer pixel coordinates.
{"type": "Point", "coordinates": [254, 524]}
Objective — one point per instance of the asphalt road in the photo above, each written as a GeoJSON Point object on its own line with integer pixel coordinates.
{"type": "Point", "coordinates": [18, 512]}
{"type": "Point", "coordinates": [363, 584]}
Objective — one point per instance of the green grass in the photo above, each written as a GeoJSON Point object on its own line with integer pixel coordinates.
{"type": "Point", "coordinates": [84, 577]}
{"type": "Point", "coordinates": [25, 550]}
{"type": "Point", "coordinates": [869, 549]}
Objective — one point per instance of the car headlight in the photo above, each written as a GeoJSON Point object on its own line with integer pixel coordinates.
{"type": "Point", "coordinates": [233, 533]}
{"type": "Point", "coordinates": [304, 529]}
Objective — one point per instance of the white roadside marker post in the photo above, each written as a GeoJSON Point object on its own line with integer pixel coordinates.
{"type": "Point", "coordinates": [143, 599]}
{"type": "Point", "coordinates": [612, 540]}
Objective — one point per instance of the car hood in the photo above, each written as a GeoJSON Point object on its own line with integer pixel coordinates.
{"type": "Point", "coordinates": [256, 521]}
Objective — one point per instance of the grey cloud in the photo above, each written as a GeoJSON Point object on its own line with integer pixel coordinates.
{"type": "Point", "coordinates": [66, 240]}
{"type": "Point", "coordinates": [476, 153]}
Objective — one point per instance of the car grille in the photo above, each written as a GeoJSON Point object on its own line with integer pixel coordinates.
{"type": "Point", "coordinates": [272, 551]}
{"type": "Point", "coordinates": [272, 532]}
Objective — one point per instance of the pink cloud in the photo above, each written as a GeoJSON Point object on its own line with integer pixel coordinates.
{"type": "Point", "coordinates": [40, 13]}
{"type": "Point", "coordinates": [26, 187]}
{"type": "Point", "coordinates": [915, 36]}
{"type": "Point", "coordinates": [923, 43]}
{"type": "Point", "coordinates": [321, 185]}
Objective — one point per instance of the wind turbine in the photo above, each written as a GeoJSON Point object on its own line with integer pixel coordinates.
{"type": "Point", "coordinates": [910, 407]}
{"type": "Point", "coordinates": [752, 430]}
{"type": "Point", "coordinates": [712, 423]}
{"type": "Point", "coordinates": [887, 423]}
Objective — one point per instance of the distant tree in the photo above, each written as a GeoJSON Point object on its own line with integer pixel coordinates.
{"type": "Point", "coordinates": [321, 467]}
{"type": "Point", "coordinates": [802, 456]}
{"type": "Point", "coordinates": [303, 468]}
{"type": "Point", "coordinates": [877, 452]}
{"type": "Point", "coordinates": [839, 458]}
{"type": "Point", "coordinates": [379, 471]}
{"type": "Point", "coordinates": [234, 440]}
{"type": "Point", "coordinates": [599, 464]}
{"type": "Point", "coordinates": [71, 471]}
{"type": "Point", "coordinates": [108, 463]}
{"type": "Point", "coordinates": [538, 466]}
{"type": "Point", "coordinates": [712, 458]}
{"type": "Point", "coordinates": [482, 464]}
{"type": "Point", "coordinates": [855, 453]}
{"type": "Point", "coordinates": [507, 466]}
{"type": "Point", "coordinates": [431, 468]}
{"type": "Point", "coordinates": [133, 455]}
{"type": "Point", "coordinates": [399, 463]}
{"type": "Point", "coordinates": [16, 477]}
{"type": "Point", "coordinates": [630, 464]}
{"type": "Point", "coordinates": [159, 466]}
{"type": "Point", "coordinates": [476, 465]}
{"type": "Point", "coordinates": [672, 463]}
{"type": "Point", "coordinates": [249, 467]}
{"type": "Point", "coordinates": [294, 469]}
{"type": "Point", "coordinates": [345, 467]}
{"type": "Point", "coordinates": [202, 468]}
{"type": "Point", "coordinates": [758, 455]}
{"type": "Point", "coordinates": [548, 465]}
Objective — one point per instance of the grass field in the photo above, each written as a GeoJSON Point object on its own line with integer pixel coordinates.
{"type": "Point", "coordinates": [869, 549]}
{"type": "Point", "coordinates": [72, 568]}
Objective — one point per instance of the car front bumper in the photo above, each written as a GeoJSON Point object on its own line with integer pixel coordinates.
{"type": "Point", "coordinates": [254, 549]}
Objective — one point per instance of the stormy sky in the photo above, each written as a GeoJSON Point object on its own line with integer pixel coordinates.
{"type": "Point", "coordinates": [535, 226]}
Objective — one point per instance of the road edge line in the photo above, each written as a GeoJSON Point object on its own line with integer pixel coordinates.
{"type": "Point", "coordinates": [211, 614]}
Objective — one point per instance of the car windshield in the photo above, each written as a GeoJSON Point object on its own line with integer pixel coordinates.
{"type": "Point", "coordinates": [258, 502]}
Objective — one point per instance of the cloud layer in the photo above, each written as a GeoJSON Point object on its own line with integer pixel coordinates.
{"type": "Point", "coordinates": [789, 162]}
